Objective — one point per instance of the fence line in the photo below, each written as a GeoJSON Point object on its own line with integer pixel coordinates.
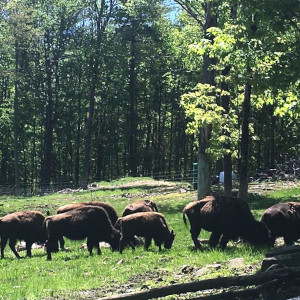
{"type": "Point", "coordinates": [29, 189]}
{"type": "Point", "coordinates": [286, 171]}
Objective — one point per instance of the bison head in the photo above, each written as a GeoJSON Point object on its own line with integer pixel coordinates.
{"type": "Point", "coordinates": [115, 239]}
{"type": "Point", "coordinates": [259, 235]}
{"type": "Point", "coordinates": [169, 240]}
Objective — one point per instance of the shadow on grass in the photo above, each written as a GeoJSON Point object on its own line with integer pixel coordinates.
{"type": "Point", "coordinates": [264, 201]}
{"type": "Point", "coordinates": [233, 247]}
{"type": "Point", "coordinates": [170, 208]}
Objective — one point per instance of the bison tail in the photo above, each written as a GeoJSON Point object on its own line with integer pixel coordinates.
{"type": "Point", "coordinates": [155, 207]}
{"type": "Point", "coordinates": [184, 218]}
{"type": "Point", "coordinates": [118, 224]}
{"type": "Point", "coordinates": [165, 222]}
{"type": "Point", "coordinates": [45, 225]}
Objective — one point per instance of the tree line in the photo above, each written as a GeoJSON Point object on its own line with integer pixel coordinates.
{"type": "Point", "coordinates": [96, 90]}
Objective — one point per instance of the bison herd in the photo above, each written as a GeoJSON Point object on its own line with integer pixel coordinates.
{"type": "Point", "coordinates": [227, 218]}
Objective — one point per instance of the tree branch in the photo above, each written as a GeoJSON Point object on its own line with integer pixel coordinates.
{"type": "Point", "coordinates": [192, 11]}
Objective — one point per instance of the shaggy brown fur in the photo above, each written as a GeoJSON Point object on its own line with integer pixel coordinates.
{"type": "Point", "coordinates": [150, 225]}
{"type": "Point", "coordinates": [89, 222]}
{"type": "Point", "coordinates": [22, 225]}
{"type": "Point", "coordinates": [108, 208]}
{"type": "Point", "coordinates": [225, 217]}
{"type": "Point", "coordinates": [139, 206]}
{"type": "Point", "coordinates": [283, 220]}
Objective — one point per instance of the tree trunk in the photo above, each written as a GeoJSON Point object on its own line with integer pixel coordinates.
{"type": "Point", "coordinates": [243, 188]}
{"type": "Point", "coordinates": [227, 174]}
{"type": "Point", "coordinates": [95, 74]}
{"type": "Point", "coordinates": [133, 99]}
{"type": "Point", "coordinates": [272, 138]}
{"type": "Point", "coordinates": [78, 131]}
{"type": "Point", "coordinates": [204, 174]}
{"type": "Point", "coordinates": [227, 163]}
{"type": "Point", "coordinates": [46, 166]}
{"type": "Point", "coordinates": [148, 153]}
{"type": "Point", "coordinates": [204, 181]}
{"type": "Point", "coordinates": [88, 133]}
{"type": "Point", "coordinates": [171, 146]}
{"type": "Point", "coordinates": [16, 120]}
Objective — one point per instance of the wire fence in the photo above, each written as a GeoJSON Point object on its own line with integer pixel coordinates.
{"type": "Point", "coordinates": [289, 170]}
{"type": "Point", "coordinates": [29, 189]}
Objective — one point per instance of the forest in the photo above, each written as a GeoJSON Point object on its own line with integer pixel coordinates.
{"type": "Point", "coordinates": [101, 89]}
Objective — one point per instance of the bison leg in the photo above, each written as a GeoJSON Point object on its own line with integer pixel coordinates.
{"type": "Point", "coordinates": [224, 241]}
{"type": "Point", "coordinates": [28, 248]}
{"type": "Point", "coordinates": [51, 245]}
{"type": "Point", "coordinates": [147, 243]}
{"type": "Point", "coordinates": [288, 240]}
{"type": "Point", "coordinates": [61, 243]}
{"type": "Point", "coordinates": [195, 234]}
{"type": "Point", "coordinates": [214, 239]}
{"type": "Point", "coordinates": [90, 245]}
{"type": "Point", "coordinates": [121, 244]}
{"type": "Point", "coordinates": [97, 246]}
{"type": "Point", "coordinates": [158, 244]}
{"type": "Point", "coordinates": [123, 241]}
{"type": "Point", "coordinates": [12, 244]}
{"type": "Point", "coordinates": [273, 239]}
{"type": "Point", "coordinates": [3, 244]}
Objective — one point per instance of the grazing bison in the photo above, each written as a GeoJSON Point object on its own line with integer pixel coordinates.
{"type": "Point", "coordinates": [283, 220]}
{"type": "Point", "coordinates": [148, 225]}
{"type": "Point", "coordinates": [226, 218]}
{"type": "Point", "coordinates": [139, 206]}
{"type": "Point", "coordinates": [89, 222]}
{"type": "Point", "coordinates": [22, 225]}
{"type": "Point", "coordinates": [107, 207]}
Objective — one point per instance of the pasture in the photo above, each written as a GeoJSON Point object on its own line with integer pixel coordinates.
{"type": "Point", "coordinates": [73, 274]}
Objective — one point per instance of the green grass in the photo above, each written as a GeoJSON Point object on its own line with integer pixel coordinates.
{"type": "Point", "coordinates": [71, 274]}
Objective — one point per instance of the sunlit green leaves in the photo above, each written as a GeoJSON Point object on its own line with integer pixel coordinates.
{"type": "Point", "coordinates": [288, 103]}
{"type": "Point", "coordinates": [201, 109]}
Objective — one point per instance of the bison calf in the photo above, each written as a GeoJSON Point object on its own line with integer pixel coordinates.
{"type": "Point", "coordinates": [83, 222]}
{"type": "Point", "coordinates": [283, 220]}
{"type": "Point", "coordinates": [150, 225]}
{"type": "Point", "coordinates": [22, 225]}
{"type": "Point", "coordinates": [227, 219]}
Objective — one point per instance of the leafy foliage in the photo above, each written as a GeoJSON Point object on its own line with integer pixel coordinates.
{"type": "Point", "coordinates": [58, 49]}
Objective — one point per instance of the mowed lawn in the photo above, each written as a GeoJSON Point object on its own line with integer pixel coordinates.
{"type": "Point", "coordinates": [73, 274]}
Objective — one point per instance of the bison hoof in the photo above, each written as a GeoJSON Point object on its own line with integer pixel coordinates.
{"type": "Point", "coordinates": [196, 248]}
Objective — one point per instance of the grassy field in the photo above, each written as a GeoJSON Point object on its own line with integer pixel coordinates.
{"type": "Point", "coordinates": [73, 274]}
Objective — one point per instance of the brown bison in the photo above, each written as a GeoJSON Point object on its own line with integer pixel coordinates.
{"type": "Point", "coordinates": [150, 225]}
{"type": "Point", "coordinates": [227, 218]}
{"type": "Point", "coordinates": [89, 222]}
{"type": "Point", "coordinates": [283, 220]}
{"type": "Point", "coordinates": [22, 225]}
{"type": "Point", "coordinates": [139, 206]}
{"type": "Point", "coordinates": [107, 207]}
